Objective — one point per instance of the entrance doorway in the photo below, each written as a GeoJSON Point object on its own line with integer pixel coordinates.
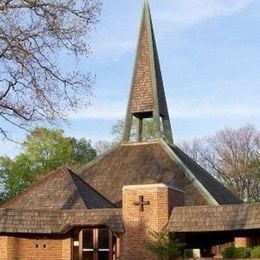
{"type": "Point", "coordinates": [96, 244]}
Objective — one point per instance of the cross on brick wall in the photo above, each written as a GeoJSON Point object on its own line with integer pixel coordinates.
{"type": "Point", "coordinates": [141, 203]}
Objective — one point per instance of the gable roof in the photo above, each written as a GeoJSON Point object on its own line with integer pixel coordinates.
{"type": "Point", "coordinates": [155, 162]}
{"type": "Point", "coordinates": [57, 221]}
{"type": "Point", "coordinates": [215, 218]}
{"type": "Point", "coordinates": [61, 189]}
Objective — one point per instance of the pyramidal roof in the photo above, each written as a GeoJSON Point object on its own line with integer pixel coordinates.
{"type": "Point", "coordinates": [61, 189]}
{"type": "Point", "coordinates": [155, 162]}
{"type": "Point", "coordinates": [158, 160]}
{"type": "Point", "coordinates": [147, 98]}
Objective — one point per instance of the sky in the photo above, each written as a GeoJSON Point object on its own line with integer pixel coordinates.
{"type": "Point", "coordinates": [209, 53]}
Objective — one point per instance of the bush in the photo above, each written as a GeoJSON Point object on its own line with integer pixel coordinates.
{"type": "Point", "coordinates": [228, 252]}
{"type": "Point", "coordinates": [233, 252]}
{"type": "Point", "coordinates": [188, 253]}
{"type": "Point", "coordinates": [164, 246]}
{"type": "Point", "coordinates": [255, 253]}
{"type": "Point", "coordinates": [242, 252]}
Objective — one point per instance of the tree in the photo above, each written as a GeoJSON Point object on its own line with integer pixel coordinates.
{"type": "Point", "coordinates": [233, 156]}
{"type": "Point", "coordinates": [104, 146]}
{"type": "Point", "coordinates": [118, 128]}
{"type": "Point", "coordinates": [43, 150]}
{"type": "Point", "coordinates": [35, 37]}
{"type": "Point", "coordinates": [83, 152]}
{"type": "Point", "coordinates": [164, 245]}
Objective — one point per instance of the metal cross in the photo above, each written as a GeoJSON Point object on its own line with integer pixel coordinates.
{"type": "Point", "coordinates": [141, 203]}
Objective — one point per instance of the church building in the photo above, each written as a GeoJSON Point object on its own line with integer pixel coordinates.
{"type": "Point", "coordinates": [109, 209]}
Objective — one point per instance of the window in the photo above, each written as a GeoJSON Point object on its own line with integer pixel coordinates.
{"type": "Point", "coordinates": [94, 244]}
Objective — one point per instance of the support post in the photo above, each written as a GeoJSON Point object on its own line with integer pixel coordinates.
{"type": "Point", "coordinates": [139, 129]}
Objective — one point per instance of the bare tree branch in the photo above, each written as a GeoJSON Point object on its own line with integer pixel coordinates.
{"type": "Point", "coordinates": [233, 156]}
{"type": "Point", "coordinates": [34, 35]}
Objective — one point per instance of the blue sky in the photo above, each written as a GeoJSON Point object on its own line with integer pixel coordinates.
{"type": "Point", "coordinates": [210, 59]}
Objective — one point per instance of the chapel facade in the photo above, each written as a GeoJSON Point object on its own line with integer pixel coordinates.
{"type": "Point", "coordinates": [109, 210]}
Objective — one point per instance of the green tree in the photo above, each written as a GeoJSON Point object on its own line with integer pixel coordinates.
{"type": "Point", "coordinates": [47, 149]}
{"type": "Point", "coordinates": [43, 150]}
{"type": "Point", "coordinates": [118, 128]}
{"type": "Point", "coordinates": [83, 152]}
{"type": "Point", "coordinates": [104, 146]}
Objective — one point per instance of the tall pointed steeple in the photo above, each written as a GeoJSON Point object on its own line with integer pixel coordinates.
{"type": "Point", "coordinates": [147, 97]}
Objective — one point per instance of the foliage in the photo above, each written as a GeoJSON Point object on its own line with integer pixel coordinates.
{"type": "Point", "coordinates": [118, 128]}
{"type": "Point", "coordinates": [36, 36]}
{"type": "Point", "coordinates": [103, 146]}
{"type": "Point", "coordinates": [228, 252]}
{"type": "Point", "coordinates": [43, 150]}
{"type": "Point", "coordinates": [163, 246]}
{"type": "Point", "coordinates": [233, 156]}
{"type": "Point", "coordinates": [239, 252]}
{"type": "Point", "coordinates": [255, 253]}
{"type": "Point", "coordinates": [83, 152]}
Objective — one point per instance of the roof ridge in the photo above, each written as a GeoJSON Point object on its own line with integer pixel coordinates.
{"type": "Point", "coordinates": [98, 193]}
{"type": "Point", "coordinates": [148, 142]}
{"type": "Point", "coordinates": [35, 183]}
{"type": "Point", "coordinates": [217, 206]}
{"type": "Point", "coordinates": [206, 172]}
{"type": "Point", "coordinates": [99, 158]}
{"type": "Point", "coordinates": [82, 201]}
{"type": "Point", "coordinates": [205, 193]}
{"type": "Point", "coordinates": [212, 178]}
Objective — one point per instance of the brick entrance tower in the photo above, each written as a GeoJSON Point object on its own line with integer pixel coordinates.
{"type": "Point", "coordinates": [146, 208]}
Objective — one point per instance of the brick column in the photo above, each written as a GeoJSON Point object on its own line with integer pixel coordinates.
{"type": "Point", "coordinates": [241, 242]}
{"type": "Point", "coordinates": [3, 247]}
{"type": "Point", "coordinates": [66, 248]}
{"type": "Point", "coordinates": [138, 221]}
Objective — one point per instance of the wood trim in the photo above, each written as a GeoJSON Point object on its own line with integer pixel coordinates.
{"type": "Point", "coordinates": [95, 243]}
{"type": "Point", "coordinates": [81, 244]}
{"type": "Point", "coordinates": [95, 234]}
{"type": "Point", "coordinates": [117, 247]}
{"type": "Point", "coordinates": [110, 245]}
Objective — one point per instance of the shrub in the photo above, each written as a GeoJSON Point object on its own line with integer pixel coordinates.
{"type": "Point", "coordinates": [239, 252]}
{"type": "Point", "coordinates": [242, 252]}
{"type": "Point", "coordinates": [228, 252]}
{"type": "Point", "coordinates": [188, 253]}
{"type": "Point", "coordinates": [164, 245]}
{"type": "Point", "coordinates": [255, 253]}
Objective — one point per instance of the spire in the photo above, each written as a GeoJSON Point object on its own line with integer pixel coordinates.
{"type": "Point", "coordinates": [147, 97]}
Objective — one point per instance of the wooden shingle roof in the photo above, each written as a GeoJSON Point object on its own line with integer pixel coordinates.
{"type": "Point", "coordinates": [61, 189]}
{"type": "Point", "coordinates": [57, 221]}
{"type": "Point", "coordinates": [218, 191]}
{"type": "Point", "coordinates": [155, 162]}
{"type": "Point", "coordinates": [215, 218]}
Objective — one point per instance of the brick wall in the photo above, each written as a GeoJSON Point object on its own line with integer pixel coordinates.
{"type": "Point", "coordinates": [3, 248]}
{"type": "Point", "coordinates": [241, 242]}
{"type": "Point", "coordinates": [138, 224]}
{"type": "Point", "coordinates": [41, 248]}
{"type": "Point", "coordinates": [66, 248]}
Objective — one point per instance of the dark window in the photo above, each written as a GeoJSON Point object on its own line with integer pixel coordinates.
{"type": "Point", "coordinates": [94, 244]}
